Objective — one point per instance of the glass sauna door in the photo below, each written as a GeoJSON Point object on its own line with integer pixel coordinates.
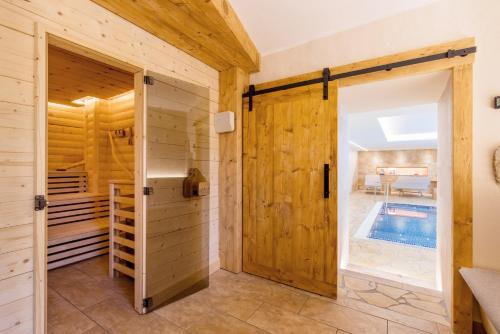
{"type": "Point", "coordinates": [179, 163]}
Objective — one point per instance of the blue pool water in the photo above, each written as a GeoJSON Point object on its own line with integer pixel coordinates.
{"type": "Point", "coordinates": [406, 224]}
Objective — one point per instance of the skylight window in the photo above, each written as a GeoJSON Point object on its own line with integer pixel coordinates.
{"type": "Point", "coordinates": [409, 127]}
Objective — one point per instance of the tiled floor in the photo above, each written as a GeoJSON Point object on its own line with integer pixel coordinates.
{"type": "Point", "coordinates": [82, 299]}
{"type": "Point", "coordinates": [399, 261]}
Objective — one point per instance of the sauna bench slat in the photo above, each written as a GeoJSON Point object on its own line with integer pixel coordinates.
{"type": "Point", "coordinates": [73, 231]}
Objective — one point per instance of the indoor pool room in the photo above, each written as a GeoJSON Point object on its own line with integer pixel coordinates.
{"type": "Point", "coordinates": [405, 223]}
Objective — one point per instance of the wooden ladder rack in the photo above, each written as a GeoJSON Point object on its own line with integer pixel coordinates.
{"type": "Point", "coordinates": [121, 228]}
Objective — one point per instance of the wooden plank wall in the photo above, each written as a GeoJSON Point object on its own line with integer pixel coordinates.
{"type": "Point", "coordinates": [66, 136]}
{"type": "Point", "coordinates": [88, 24]}
{"type": "Point", "coordinates": [16, 171]}
{"type": "Point", "coordinates": [121, 116]}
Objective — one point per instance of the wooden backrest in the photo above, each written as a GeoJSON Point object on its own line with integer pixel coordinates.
{"type": "Point", "coordinates": [80, 207]}
{"type": "Point", "coordinates": [67, 182]}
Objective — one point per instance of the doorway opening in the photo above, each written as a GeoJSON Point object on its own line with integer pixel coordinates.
{"type": "Point", "coordinates": [90, 161]}
{"type": "Point", "coordinates": [395, 209]}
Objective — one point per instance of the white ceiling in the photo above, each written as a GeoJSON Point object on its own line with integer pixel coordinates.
{"type": "Point", "coordinates": [407, 107]}
{"type": "Point", "coordinates": [366, 133]}
{"type": "Point", "coordinates": [276, 25]}
{"type": "Point", "coordinates": [389, 94]}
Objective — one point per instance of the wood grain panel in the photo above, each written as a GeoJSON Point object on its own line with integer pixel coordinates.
{"type": "Point", "coordinates": [462, 196]}
{"type": "Point", "coordinates": [16, 287]}
{"type": "Point", "coordinates": [72, 77]}
{"type": "Point", "coordinates": [289, 229]}
{"type": "Point", "coordinates": [208, 30]}
{"type": "Point", "coordinates": [66, 137]}
{"type": "Point", "coordinates": [17, 317]}
{"type": "Point", "coordinates": [16, 262]}
{"type": "Point", "coordinates": [232, 85]}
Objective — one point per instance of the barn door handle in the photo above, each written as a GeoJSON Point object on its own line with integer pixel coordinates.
{"type": "Point", "coordinates": [326, 181]}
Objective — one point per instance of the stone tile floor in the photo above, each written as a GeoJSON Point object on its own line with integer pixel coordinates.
{"type": "Point", "coordinates": [398, 261]}
{"type": "Point", "coordinates": [82, 299]}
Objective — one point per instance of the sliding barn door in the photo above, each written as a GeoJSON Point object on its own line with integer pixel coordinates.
{"type": "Point", "coordinates": [178, 140]}
{"type": "Point", "coordinates": [289, 219]}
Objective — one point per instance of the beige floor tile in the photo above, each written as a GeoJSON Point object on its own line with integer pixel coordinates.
{"type": "Point", "coordinates": [262, 290]}
{"type": "Point", "coordinates": [343, 318]}
{"type": "Point", "coordinates": [96, 330]}
{"type": "Point", "coordinates": [230, 302]}
{"type": "Point", "coordinates": [427, 306]}
{"type": "Point", "coordinates": [84, 294]}
{"type": "Point", "coordinates": [68, 275]}
{"type": "Point", "coordinates": [395, 328]}
{"type": "Point", "coordinates": [97, 267]}
{"type": "Point", "coordinates": [377, 299]}
{"type": "Point", "coordinates": [116, 317]}
{"type": "Point", "coordinates": [410, 321]}
{"type": "Point", "coordinates": [62, 317]}
{"type": "Point", "coordinates": [186, 311]}
{"type": "Point", "coordinates": [418, 313]}
{"type": "Point", "coordinates": [390, 291]}
{"type": "Point", "coordinates": [224, 307]}
{"type": "Point", "coordinates": [196, 316]}
{"type": "Point", "coordinates": [218, 323]}
{"type": "Point", "coordinates": [358, 284]}
{"type": "Point", "coordinates": [276, 320]}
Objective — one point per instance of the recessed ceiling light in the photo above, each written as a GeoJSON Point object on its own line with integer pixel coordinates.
{"type": "Point", "coordinates": [84, 100]}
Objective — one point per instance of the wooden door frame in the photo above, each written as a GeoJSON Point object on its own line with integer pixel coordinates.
{"type": "Point", "coordinates": [462, 82]}
{"type": "Point", "coordinates": [45, 35]}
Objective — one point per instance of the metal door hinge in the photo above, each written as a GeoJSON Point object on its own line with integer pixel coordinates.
{"type": "Point", "coordinates": [40, 202]}
{"type": "Point", "coordinates": [149, 80]}
{"type": "Point", "coordinates": [148, 191]}
{"type": "Point", "coordinates": [147, 302]}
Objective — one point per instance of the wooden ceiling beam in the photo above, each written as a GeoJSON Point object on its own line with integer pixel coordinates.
{"type": "Point", "coordinates": [209, 30]}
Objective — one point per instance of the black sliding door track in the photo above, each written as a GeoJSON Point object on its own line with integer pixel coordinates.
{"type": "Point", "coordinates": [387, 67]}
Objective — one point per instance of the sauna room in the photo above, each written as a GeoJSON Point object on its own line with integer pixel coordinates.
{"type": "Point", "coordinates": [90, 160]}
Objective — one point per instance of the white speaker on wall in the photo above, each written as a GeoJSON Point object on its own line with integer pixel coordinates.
{"type": "Point", "coordinates": [224, 121]}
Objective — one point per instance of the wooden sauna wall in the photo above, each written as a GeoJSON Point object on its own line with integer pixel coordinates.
{"type": "Point", "coordinates": [66, 135]}
{"type": "Point", "coordinates": [97, 152]}
{"type": "Point", "coordinates": [87, 24]}
{"type": "Point", "coordinates": [121, 116]}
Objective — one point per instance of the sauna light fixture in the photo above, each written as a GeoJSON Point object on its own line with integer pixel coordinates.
{"type": "Point", "coordinates": [58, 105]}
{"type": "Point", "coordinates": [160, 175]}
{"type": "Point", "coordinates": [84, 100]}
{"type": "Point", "coordinates": [357, 146]}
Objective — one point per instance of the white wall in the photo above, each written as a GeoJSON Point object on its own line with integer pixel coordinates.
{"type": "Point", "coordinates": [444, 195]}
{"type": "Point", "coordinates": [442, 21]}
{"type": "Point", "coordinates": [344, 186]}
{"type": "Point", "coordinates": [89, 24]}
{"type": "Point", "coordinates": [353, 169]}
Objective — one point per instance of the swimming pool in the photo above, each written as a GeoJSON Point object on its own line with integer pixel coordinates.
{"type": "Point", "coordinates": [402, 223]}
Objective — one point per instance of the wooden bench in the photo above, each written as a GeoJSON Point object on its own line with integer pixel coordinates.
{"type": "Point", "coordinates": [78, 227]}
{"type": "Point", "coordinates": [67, 182]}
